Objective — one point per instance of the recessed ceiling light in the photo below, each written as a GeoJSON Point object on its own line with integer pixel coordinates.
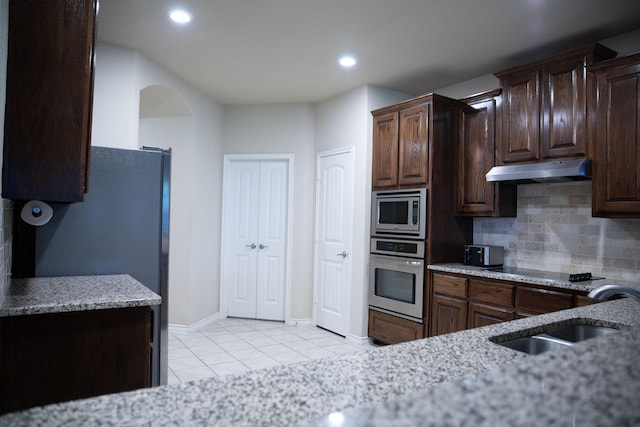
{"type": "Point", "coordinates": [180, 16]}
{"type": "Point", "coordinates": [347, 61]}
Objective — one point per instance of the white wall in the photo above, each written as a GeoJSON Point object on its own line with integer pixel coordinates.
{"type": "Point", "coordinates": [341, 122]}
{"type": "Point", "coordinates": [305, 130]}
{"type": "Point", "coordinates": [345, 121]}
{"type": "Point", "coordinates": [115, 106]}
{"type": "Point", "coordinates": [193, 296]}
{"type": "Point", "coordinates": [196, 190]}
{"type": "Point", "coordinates": [283, 128]}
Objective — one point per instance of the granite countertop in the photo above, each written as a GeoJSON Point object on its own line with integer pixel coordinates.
{"type": "Point", "coordinates": [532, 277]}
{"type": "Point", "coordinates": [593, 384]}
{"type": "Point", "coordinates": [453, 379]}
{"type": "Point", "coordinates": [39, 295]}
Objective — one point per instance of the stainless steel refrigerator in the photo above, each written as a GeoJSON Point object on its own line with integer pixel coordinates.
{"type": "Point", "coordinates": [121, 227]}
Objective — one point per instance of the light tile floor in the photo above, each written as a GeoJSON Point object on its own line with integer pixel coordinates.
{"type": "Point", "coordinates": [232, 346]}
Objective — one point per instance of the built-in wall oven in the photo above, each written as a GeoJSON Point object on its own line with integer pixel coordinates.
{"type": "Point", "coordinates": [396, 277]}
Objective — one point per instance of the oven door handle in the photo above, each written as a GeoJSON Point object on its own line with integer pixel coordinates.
{"type": "Point", "coordinates": [414, 263]}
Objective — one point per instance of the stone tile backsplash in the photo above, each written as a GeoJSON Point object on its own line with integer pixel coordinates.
{"type": "Point", "coordinates": [554, 231]}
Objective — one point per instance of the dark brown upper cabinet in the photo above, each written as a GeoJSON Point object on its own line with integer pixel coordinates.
{"type": "Point", "coordinates": [615, 138]}
{"type": "Point", "coordinates": [385, 151]}
{"type": "Point", "coordinates": [545, 106]}
{"type": "Point", "coordinates": [47, 128]}
{"type": "Point", "coordinates": [401, 147]}
{"type": "Point", "coordinates": [480, 134]}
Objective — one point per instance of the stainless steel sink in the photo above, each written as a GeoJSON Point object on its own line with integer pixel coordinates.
{"type": "Point", "coordinates": [577, 333]}
{"type": "Point", "coordinates": [555, 337]}
{"type": "Point", "coordinates": [535, 344]}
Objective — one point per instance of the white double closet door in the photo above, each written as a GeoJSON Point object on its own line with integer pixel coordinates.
{"type": "Point", "coordinates": [255, 225]}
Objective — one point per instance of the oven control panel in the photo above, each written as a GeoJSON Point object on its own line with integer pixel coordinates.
{"type": "Point", "coordinates": [404, 248]}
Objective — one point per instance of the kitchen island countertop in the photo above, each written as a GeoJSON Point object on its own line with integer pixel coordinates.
{"type": "Point", "coordinates": [40, 295]}
{"type": "Point", "coordinates": [459, 378]}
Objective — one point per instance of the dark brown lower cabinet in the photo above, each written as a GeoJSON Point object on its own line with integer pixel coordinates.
{"type": "Point", "coordinates": [448, 315]}
{"type": "Point", "coordinates": [390, 329]}
{"type": "Point", "coordinates": [582, 301]}
{"type": "Point", "coordinates": [50, 358]}
{"type": "Point", "coordinates": [483, 315]}
{"type": "Point", "coordinates": [460, 302]}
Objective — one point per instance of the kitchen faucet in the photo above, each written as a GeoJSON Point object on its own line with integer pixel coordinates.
{"type": "Point", "coordinates": [605, 292]}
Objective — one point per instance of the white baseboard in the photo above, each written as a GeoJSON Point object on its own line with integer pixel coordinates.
{"type": "Point", "coordinates": [299, 322]}
{"type": "Point", "coordinates": [358, 340]}
{"type": "Point", "coordinates": [195, 327]}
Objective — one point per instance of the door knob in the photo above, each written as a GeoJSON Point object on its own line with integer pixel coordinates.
{"type": "Point", "coordinates": [343, 254]}
{"type": "Point", "coordinates": [262, 246]}
{"type": "Point", "coordinates": [251, 246]}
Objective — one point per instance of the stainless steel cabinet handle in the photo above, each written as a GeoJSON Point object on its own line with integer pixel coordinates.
{"type": "Point", "coordinates": [343, 254]}
{"type": "Point", "coordinates": [261, 246]}
{"type": "Point", "coordinates": [251, 246]}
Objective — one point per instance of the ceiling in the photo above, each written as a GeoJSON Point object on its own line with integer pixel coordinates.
{"type": "Point", "coordinates": [275, 51]}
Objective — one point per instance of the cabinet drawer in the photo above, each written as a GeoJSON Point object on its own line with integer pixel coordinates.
{"type": "Point", "coordinates": [541, 301]}
{"type": "Point", "coordinates": [483, 315]}
{"type": "Point", "coordinates": [454, 286]}
{"type": "Point", "coordinates": [392, 330]}
{"type": "Point", "coordinates": [583, 300]}
{"type": "Point", "coordinates": [492, 292]}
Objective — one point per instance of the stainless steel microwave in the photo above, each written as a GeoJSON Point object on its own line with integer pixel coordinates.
{"type": "Point", "coordinates": [401, 213]}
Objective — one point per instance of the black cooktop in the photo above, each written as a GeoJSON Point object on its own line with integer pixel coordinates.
{"type": "Point", "coordinates": [575, 277]}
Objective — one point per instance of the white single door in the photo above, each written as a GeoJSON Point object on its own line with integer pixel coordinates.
{"type": "Point", "coordinates": [334, 219]}
{"type": "Point", "coordinates": [255, 228]}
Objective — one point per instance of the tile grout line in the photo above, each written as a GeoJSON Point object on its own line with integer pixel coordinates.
{"type": "Point", "coordinates": [234, 329]}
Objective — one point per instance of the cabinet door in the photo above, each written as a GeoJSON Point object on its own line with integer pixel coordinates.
{"type": "Point", "coordinates": [384, 168]}
{"type": "Point", "coordinates": [477, 155]}
{"type": "Point", "coordinates": [483, 315]}
{"type": "Point", "coordinates": [564, 108]}
{"type": "Point", "coordinates": [49, 99]}
{"type": "Point", "coordinates": [521, 116]}
{"type": "Point", "coordinates": [57, 357]}
{"type": "Point", "coordinates": [448, 315]}
{"type": "Point", "coordinates": [616, 158]}
{"type": "Point", "coordinates": [414, 145]}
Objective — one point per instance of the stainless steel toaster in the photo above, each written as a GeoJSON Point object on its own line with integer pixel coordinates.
{"type": "Point", "coordinates": [483, 255]}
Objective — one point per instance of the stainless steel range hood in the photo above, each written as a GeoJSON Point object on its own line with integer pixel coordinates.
{"type": "Point", "coordinates": [555, 171]}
